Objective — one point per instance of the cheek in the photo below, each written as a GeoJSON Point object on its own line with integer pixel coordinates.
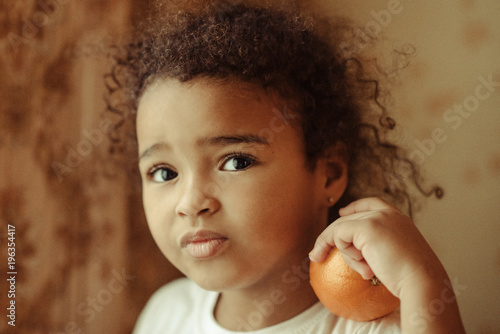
{"type": "Point", "coordinates": [273, 205]}
{"type": "Point", "coordinates": [159, 220]}
{"type": "Point", "coordinates": [151, 211]}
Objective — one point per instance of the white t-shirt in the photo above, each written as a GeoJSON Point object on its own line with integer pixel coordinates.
{"type": "Point", "coordinates": [182, 307]}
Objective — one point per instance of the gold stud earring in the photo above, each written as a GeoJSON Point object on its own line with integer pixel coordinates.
{"type": "Point", "coordinates": [331, 200]}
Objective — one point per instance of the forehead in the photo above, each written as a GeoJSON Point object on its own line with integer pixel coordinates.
{"type": "Point", "coordinates": [173, 94]}
{"type": "Point", "coordinates": [170, 109]}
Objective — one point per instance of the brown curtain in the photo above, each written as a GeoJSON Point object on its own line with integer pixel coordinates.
{"type": "Point", "coordinates": [84, 259]}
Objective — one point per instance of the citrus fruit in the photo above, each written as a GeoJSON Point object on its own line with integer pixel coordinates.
{"type": "Point", "coordinates": [346, 294]}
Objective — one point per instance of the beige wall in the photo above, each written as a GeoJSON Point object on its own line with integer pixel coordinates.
{"type": "Point", "coordinates": [457, 43]}
{"type": "Point", "coordinates": [76, 233]}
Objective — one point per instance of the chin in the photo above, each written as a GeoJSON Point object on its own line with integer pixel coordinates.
{"type": "Point", "coordinates": [219, 282]}
{"type": "Point", "coordinates": [210, 283]}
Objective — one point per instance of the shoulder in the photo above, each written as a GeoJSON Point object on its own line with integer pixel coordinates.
{"type": "Point", "coordinates": [168, 305]}
{"type": "Point", "coordinates": [318, 320]}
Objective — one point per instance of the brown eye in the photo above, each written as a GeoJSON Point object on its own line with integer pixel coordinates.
{"type": "Point", "coordinates": [236, 163]}
{"type": "Point", "coordinates": [162, 174]}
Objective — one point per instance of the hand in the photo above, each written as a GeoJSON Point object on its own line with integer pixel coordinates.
{"type": "Point", "coordinates": [376, 239]}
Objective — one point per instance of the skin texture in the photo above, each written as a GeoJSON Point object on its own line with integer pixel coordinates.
{"type": "Point", "coordinates": [271, 211]}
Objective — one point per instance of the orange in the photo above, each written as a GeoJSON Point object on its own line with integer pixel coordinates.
{"type": "Point", "coordinates": [346, 294]}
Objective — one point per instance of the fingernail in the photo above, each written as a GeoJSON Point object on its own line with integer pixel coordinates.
{"type": "Point", "coordinates": [311, 256]}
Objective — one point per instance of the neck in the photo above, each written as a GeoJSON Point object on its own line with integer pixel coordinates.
{"type": "Point", "coordinates": [258, 306]}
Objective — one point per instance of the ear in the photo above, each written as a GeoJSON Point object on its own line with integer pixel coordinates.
{"type": "Point", "coordinates": [335, 167]}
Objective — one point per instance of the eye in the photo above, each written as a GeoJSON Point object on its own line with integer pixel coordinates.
{"type": "Point", "coordinates": [162, 174]}
{"type": "Point", "coordinates": [237, 162]}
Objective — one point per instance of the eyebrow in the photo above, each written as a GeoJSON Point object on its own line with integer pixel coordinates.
{"type": "Point", "coordinates": [211, 141]}
{"type": "Point", "coordinates": [233, 139]}
{"type": "Point", "coordinates": [162, 146]}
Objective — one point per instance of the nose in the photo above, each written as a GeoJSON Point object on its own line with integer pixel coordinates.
{"type": "Point", "coordinates": [197, 199]}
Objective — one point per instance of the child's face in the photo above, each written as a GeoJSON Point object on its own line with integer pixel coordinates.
{"type": "Point", "coordinates": [226, 191]}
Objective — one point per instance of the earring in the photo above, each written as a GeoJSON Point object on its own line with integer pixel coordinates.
{"type": "Point", "coordinates": [331, 200]}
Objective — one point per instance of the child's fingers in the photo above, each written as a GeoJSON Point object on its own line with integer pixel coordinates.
{"type": "Point", "coordinates": [321, 247]}
{"type": "Point", "coordinates": [342, 234]}
{"type": "Point", "coordinates": [363, 205]}
{"type": "Point", "coordinates": [339, 234]}
{"type": "Point", "coordinates": [349, 251]}
{"type": "Point", "coordinates": [350, 239]}
{"type": "Point", "coordinates": [360, 267]}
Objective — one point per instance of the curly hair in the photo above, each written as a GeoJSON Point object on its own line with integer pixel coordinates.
{"type": "Point", "coordinates": [299, 58]}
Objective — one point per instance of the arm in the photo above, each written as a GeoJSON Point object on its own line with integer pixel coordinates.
{"type": "Point", "coordinates": [376, 239]}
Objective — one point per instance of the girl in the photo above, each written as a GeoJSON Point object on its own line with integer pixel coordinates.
{"type": "Point", "coordinates": [253, 130]}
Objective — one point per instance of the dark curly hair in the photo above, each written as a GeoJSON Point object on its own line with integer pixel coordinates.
{"type": "Point", "coordinates": [296, 56]}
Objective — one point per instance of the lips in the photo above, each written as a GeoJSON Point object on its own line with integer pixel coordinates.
{"type": "Point", "coordinates": [203, 244]}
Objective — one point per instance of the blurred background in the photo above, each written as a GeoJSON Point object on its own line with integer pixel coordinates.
{"type": "Point", "coordinates": [85, 260]}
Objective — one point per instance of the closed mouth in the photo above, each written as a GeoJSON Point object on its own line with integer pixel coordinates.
{"type": "Point", "coordinates": [203, 244]}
